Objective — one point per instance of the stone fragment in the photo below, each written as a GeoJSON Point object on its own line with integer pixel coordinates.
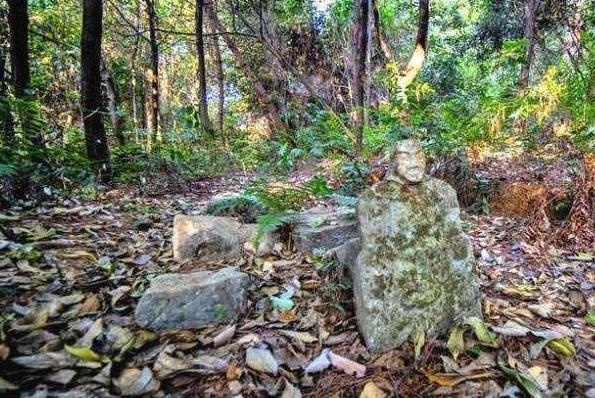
{"type": "Point", "coordinates": [213, 239]}
{"type": "Point", "coordinates": [184, 301]}
{"type": "Point", "coordinates": [415, 270]}
{"type": "Point", "coordinates": [323, 229]}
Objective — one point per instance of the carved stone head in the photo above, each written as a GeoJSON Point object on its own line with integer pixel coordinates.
{"type": "Point", "coordinates": [408, 162]}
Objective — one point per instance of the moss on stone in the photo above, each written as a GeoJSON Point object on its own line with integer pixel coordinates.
{"type": "Point", "coordinates": [407, 280]}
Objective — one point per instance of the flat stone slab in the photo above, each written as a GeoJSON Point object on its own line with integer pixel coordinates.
{"type": "Point", "coordinates": [187, 301]}
{"type": "Point", "coordinates": [213, 239]}
{"type": "Point", "coordinates": [323, 229]}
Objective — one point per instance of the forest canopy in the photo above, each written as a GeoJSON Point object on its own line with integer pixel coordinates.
{"type": "Point", "coordinates": [209, 86]}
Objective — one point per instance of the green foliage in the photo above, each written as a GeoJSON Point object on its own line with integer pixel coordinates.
{"type": "Point", "coordinates": [246, 207]}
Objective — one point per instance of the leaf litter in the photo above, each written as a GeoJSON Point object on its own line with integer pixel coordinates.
{"type": "Point", "coordinates": [71, 272]}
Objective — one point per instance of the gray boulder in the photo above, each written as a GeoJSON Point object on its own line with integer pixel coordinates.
{"type": "Point", "coordinates": [185, 301]}
{"type": "Point", "coordinates": [214, 239]}
{"type": "Point", "coordinates": [415, 270]}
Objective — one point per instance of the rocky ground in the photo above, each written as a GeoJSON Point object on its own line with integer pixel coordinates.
{"type": "Point", "coordinates": [72, 272]}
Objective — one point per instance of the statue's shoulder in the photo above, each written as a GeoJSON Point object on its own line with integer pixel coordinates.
{"type": "Point", "coordinates": [441, 190]}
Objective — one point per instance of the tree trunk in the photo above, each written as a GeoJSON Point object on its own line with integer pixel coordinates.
{"type": "Point", "coordinates": [359, 44]}
{"type": "Point", "coordinates": [369, 53]}
{"type": "Point", "coordinates": [529, 35]}
{"type": "Point", "coordinates": [133, 73]}
{"type": "Point", "coordinates": [380, 42]}
{"type": "Point", "coordinates": [421, 44]}
{"type": "Point", "coordinates": [95, 137]}
{"type": "Point", "coordinates": [219, 76]}
{"type": "Point", "coordinates": [6, 121]}
{"type": "Point", "coordinates": [27, 114]}
{"type": "Point", "coordinates": [203, 110]}
{"type": "Point", "coordinates": [260, 92]}
{"type": "Point", "coordinates": [153, 77]}
{"type": "Point", "coordinates": [18, 21]}
{"type": "Point", "coordinates": [113, 102]}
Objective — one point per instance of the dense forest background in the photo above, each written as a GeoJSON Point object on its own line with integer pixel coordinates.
{"type": "Point", "coordinates": [206, 87]}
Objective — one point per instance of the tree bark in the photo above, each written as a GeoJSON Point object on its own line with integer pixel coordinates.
{"type": "Point", "coordinates": [133, 73]}
{"type": "Point", "coordinates": [218, 66]}
{"type": "Point", "coordinates": [153, 77]}
{"type": "Point", "coordinates": [203, 110]}
{"type": "Point", "coordinates": [6, 121]}
{"type": "Point", "coordinates": [262, 96]}
{"type": "Point", "coordinates": [113, 102]}
{"type": "Point", "coordinates": [380, 41]}
{"type": "Point", "coordinates": [18, 20]}
{"type": "Point", "coordinates": [359, 44]}
{"type": "Point", "coordinates": [421, 45]}
{"type": "Point", "coordinates": [529, 35]}
{"type": "Point", "coordinates": [95, 137]}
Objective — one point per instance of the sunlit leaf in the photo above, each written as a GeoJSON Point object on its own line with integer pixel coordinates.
{"type": "Point", "coordinates": [456, 341]}
{"type": "Point", "coordinates": [481, 331]}
{"type": "Point", "coordinates": [86, 354]}
{"type": "Point", "coordinates": [562, 347]}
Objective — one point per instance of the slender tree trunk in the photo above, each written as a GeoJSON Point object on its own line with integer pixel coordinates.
{"type": "Point", "coordinates": [18, 20]}
{"type": "Point", "coordinates": [421, 45]}
{"type": "Point", "coordinates": [359, 44]}
{"type": "Point", "coordinates": [133, 72]}
{"type": "Point", "coordinates": [273, 113]}
{"type": "Point", "coordinates": [380, 41]}
{"type": "Point", "coordinates": [219, 76]}
{"type": "Point", "coordinates": [153, 76]}
{"type": "Point", "coordinates": [529, 35]}
{"type": "Point", "coordinates": [27, 113]}
{"type": "Point", "coordinates": [113, 101]}
{"type": "Point", "coordinates": [96, 139]}
{"type": "Point", "coordinates": [203, 110]}
{"type": "Point", "coordinates": [6, 121]}
{"type": "Point", "coordinates": [369, 53]}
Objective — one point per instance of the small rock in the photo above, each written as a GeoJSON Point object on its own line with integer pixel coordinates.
{"type": "Point", "coordinates": [261, 360]}
{"type": "Point", "coordinates": [184, 301]}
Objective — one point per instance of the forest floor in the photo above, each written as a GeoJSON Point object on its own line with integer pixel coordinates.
{"type": "Point", "coordinates": [72, 270]}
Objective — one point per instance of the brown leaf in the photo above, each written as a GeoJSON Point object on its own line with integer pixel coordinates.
{"type": "Point", "coordinates": [224, 336]}
{"type": "Point", "coordinates": [288, 316]}
{"type": "Point", "coordinates": [167, 365]}
{"type": "Point", "coordinates": [4, 351]}
{"type": "Point", "coordinates": [449, 379]}
{"type": "Point", "coordinates": [134, 382]}
{"type": "Point", "coordinates": [371, 390]}
{"type": "Point", "coordinates": [90, 305]}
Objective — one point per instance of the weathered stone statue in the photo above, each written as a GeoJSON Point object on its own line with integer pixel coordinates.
{"type": "Point", "coordinates": [415, 271]}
